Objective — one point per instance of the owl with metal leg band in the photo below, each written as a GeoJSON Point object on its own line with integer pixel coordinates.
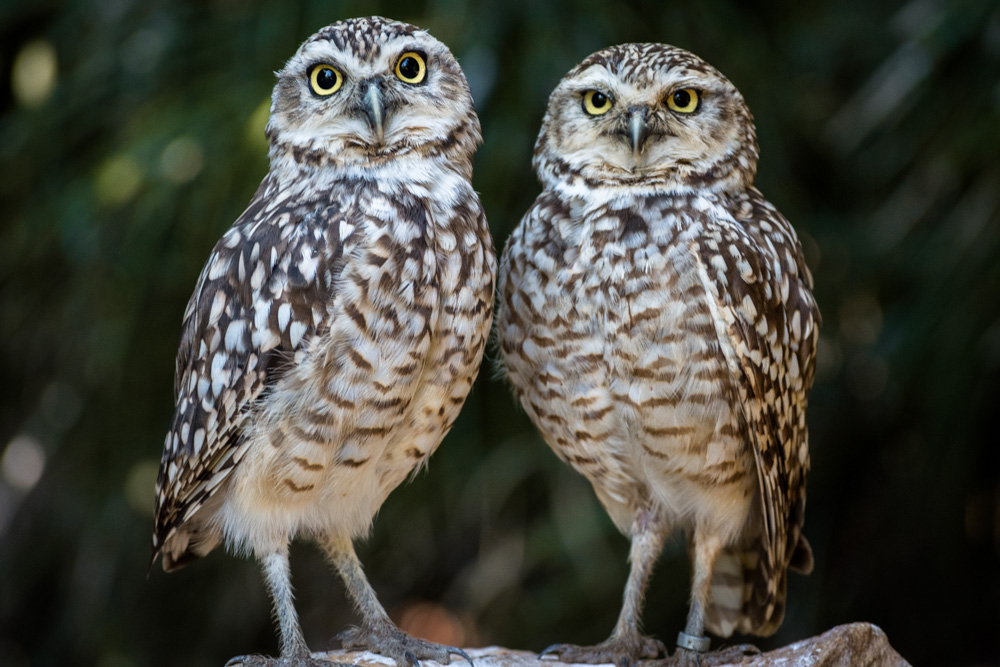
{"type": "Point", "coordinates": [657, 323]}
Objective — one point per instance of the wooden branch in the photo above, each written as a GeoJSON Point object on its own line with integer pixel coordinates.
{"type": "Point", "coordinates": [843, 646]}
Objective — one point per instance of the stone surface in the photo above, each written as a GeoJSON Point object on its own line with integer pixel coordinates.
{"type": "Point", "coordinates": [851, 645]}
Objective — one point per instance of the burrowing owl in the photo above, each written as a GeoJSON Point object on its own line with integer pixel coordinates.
{"type": "Point", "coordinates": [338, 325]}
{"type": "Point", "coordinates": [657, 324]}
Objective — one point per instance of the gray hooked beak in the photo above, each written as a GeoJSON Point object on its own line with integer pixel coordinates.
{"type": "Point", "coordinates": [374, 108]}
{"type": "Point", "coordinates": [638, 129]}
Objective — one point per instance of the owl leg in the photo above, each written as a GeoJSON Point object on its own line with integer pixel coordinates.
{"type": "Point", "coordinates": [377, 631]}
{"type": "Point", "coordinates": [692, 642]}
{"type": "Point", "coordinates": [294, 652]}
{"type": "Point", "coordinates": [627, 645]}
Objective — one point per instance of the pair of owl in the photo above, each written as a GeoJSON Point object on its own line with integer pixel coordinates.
{"type": "Point", "coordinates": [655, 319]}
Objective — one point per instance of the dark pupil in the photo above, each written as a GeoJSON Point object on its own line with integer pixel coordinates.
{"type": "Point", "coordinates": [326, 78]}
{"type": "Point", "coordinates": [598, 100]}
{"type": "Point", "coordinates": [682, 98]}
{"type": "Point", "coordinates": [409, 68]}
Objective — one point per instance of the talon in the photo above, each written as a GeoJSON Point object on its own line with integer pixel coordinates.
{"type": "Point", "coordinates": [458, 651]}
{"type": "Point", "coordinates": [390, 641]}
{"type": "Point", "coordinates": [555, 649]}
{"type": "Point", "coordinates": [247, 661]}
{"type": "Point", "coordinates": [292, 659]}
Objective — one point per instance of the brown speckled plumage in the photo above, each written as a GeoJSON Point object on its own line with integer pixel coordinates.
{"type": "Point", "coordinates": [338, 325]}
{"type": "Point", "coordinates": [656, 322]}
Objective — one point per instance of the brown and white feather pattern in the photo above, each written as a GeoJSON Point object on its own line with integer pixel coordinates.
{"type": "Point", "coordinates": [337, 328]}
{"type": "Point", "coordinates": [338, 325]}
{"type": "Point", "coordinates": [657, 323]}
{"type": "Point", "coordinates": [345, 331]}
{"type": "Point", "coordinates": [664, 348]}
{"type": "Point", "coordinates": [259, 298]}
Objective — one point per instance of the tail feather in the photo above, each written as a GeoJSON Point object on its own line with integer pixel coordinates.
{"type": "Point", "coordinates": [187, 543]}
{"type": "Point", "coordinates": [802, 556]}
{"type": "Point", "coordinates": [747, 595]}
{"type": "Point", "coordinates": [725, 596]}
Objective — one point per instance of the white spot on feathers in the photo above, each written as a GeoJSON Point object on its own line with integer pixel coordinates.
{"type": "Point", "coordinates": [296, 332]}
{"type": "Point", "coordinates": [220, 375]}
{"type": "Point", "coordinates": [284, 315]}
{"type": "Point", "coordinates": [307, 267]}
{"type": "Point", "coordinates": [265, 339]}
{"type": "Point", "coordinates": [234, 336]}
{"type": "Point", "coordinates": [219, 268]}
{"type": "Point", "coordinates": [218, 305]}
{"type": "Point", "coordinates": [257, 278]}
{"type": "Point", "coordinates": [793, 366]}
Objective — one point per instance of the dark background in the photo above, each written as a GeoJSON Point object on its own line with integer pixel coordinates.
{"type": "Point", "coordinates": [131, 136]}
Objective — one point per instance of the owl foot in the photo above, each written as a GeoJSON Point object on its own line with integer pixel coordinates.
{"type": "Point", "coordinates": [302, 659]}
{"type": "Point", "coordinates": [685, 657]}
{"type": "Point", "coordinates": [622, 651]}
{"type": "Point", "coordinates": [730, 655]}
{"type": "Point", "coordinates": [388, 640]}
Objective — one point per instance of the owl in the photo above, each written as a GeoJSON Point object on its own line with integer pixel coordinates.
{"type": "Point", "coordinates": [338, 325]}
{"type": "Point", "coordinates": [657, 324]}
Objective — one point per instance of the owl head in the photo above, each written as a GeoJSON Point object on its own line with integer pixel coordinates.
{"type": "Point", "coordinates": [367, 90]}
{"type": "Point", "coordinates": [647, 114]}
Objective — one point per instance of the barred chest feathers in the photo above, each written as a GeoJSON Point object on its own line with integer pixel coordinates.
{"type": "Point", "coordinates": [657, 323]}
{"type": "Point", "coordinates": [378, 386]}
{"type": "Point", "coordinates": [337, 327]}
{"type": "Point", "coordinates": [611, 344]}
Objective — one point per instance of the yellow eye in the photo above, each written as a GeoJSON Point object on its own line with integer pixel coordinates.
{"type": "Point", "coordinates": [596, 103]}
{"type": "Point", "coordinates": [411, 68]}
{"type": "Point", "coordinates": [325, 80]}
{"type": "Point", "coordinates": [684, 101]}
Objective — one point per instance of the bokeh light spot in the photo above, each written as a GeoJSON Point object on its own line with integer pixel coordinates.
{"type": "Point", "coordinates": [140, 483]}
{"type": "Point", "coordinates": [829, 359]}
{"type": "Point", "coordinates": [861, 319]}
{"type": "Point", "coordinates": [431, 621]}
{"type": "Point", "coordinates": [60, 405]}
{"type": "Point", "coordinates": [115, 658]}
{"type": "Point", "coordinates": [118, 180]}
{"type": "Point", "coordinates": [867, 375]}
{"type": "Point", "coordinates": [34, 73]}
{"type": "Point", "coordinates": [23, 462]}
{"type": "Point", "coordinates": [181, 160]}
{"type": "Point", "coordinates": [257, 123]}
{"type": "Point", "coordinates": [143, 50]}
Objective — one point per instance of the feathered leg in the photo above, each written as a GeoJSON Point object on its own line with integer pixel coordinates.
{"type": "Point", "coordinates": [377, 631]}
{"type": "Point", "coordinates": [692, 643]}
{"type": "Point", "coordinates": [627, 645]}
{"type": "Point", "coordinates": [294, 652]}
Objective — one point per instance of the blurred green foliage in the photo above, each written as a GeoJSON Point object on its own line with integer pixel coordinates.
{"type": "Point", "coordinates": [131, 137]}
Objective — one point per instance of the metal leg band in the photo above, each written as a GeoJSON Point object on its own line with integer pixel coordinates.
{"type": "Point", "coordinates": [691, 643]}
